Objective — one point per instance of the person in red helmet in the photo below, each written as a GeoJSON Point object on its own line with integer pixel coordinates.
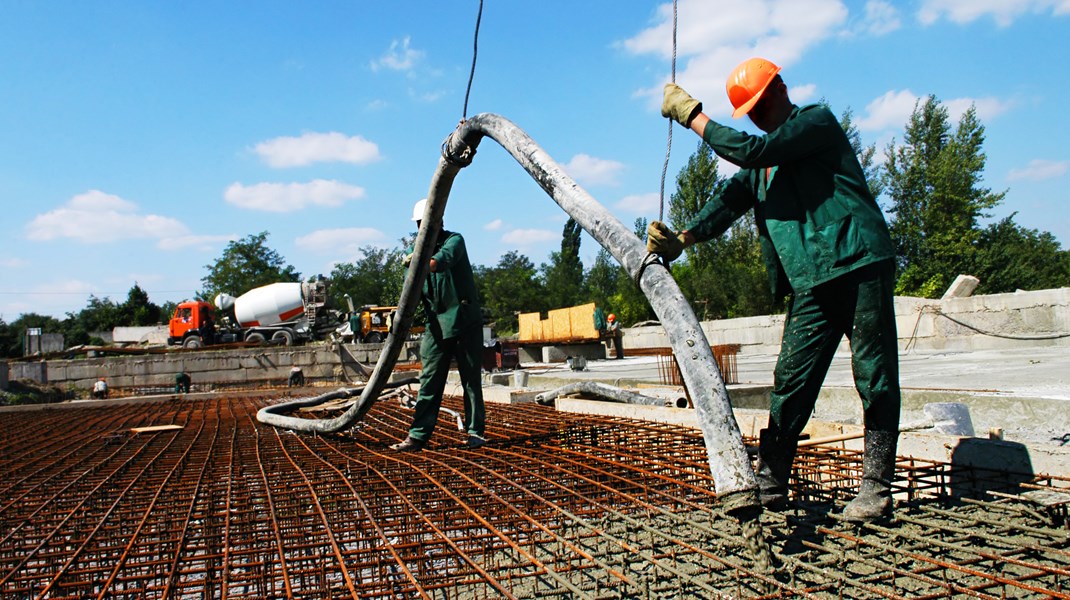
{"type": "Point", "coordinates": [614, 332]}
{"type": "Point", "coordinates": [827, 249]}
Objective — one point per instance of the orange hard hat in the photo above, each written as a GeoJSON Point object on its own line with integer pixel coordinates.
{"type": "Point", "coordinates": [611, 317]}
{"type": "Point", "coordinates": [747, 82]}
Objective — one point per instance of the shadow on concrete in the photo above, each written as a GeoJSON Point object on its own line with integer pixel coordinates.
{"type": "Point", "coordinates": [979, 465]}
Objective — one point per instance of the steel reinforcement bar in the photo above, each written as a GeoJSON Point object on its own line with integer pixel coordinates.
{"type": "Point", "coordinates": [556, 505]}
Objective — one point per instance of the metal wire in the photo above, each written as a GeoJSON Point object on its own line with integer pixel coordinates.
{"type": "Point", "coordinates": [668, 144]}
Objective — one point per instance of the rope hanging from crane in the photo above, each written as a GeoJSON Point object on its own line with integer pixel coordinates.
{"type": "Point", "coordinates": [472, 73]}
{"type": "Point", "coordinates": [668, 144]}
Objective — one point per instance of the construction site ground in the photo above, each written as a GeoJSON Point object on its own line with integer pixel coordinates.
{"type": "Point", "coordinates": [559, 504]}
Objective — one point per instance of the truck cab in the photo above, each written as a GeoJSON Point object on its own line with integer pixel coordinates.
{"type": "Point", "coordinates": [191, 324]}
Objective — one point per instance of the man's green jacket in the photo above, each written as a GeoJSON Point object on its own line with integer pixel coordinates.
{"type": "Point", "coordinates": [816, 217]}
{"type": "Point", "coordinates": [449, 295]}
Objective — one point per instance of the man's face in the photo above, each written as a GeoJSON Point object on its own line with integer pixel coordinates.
{"type": "Point", "coordinates": [765, 114]}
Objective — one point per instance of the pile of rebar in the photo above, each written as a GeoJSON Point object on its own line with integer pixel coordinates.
{"type": "Point", "coordinates": [556, 506]}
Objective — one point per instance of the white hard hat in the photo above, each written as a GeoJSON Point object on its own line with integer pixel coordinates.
{"type": "Point", "coordinates": [418, 210]}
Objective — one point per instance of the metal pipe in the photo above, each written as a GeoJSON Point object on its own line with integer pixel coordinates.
{"type": "Point", "coordinates": [729, 464]}
{"type": "Point", "coordinates": [607, 392]}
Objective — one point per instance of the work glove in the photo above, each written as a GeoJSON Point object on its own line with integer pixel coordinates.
{"type": "Point", "coordinates": [663, 241]}
{"type": "Point", "coordinates": [408, 259]}
{"type": "Point", "coordinates": [678, 105]}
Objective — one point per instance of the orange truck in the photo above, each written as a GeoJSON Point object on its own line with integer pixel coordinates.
{"type": "Point", "coordinates": [283, 313]}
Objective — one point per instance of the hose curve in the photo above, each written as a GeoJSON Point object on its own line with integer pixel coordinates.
{"type": "Point", "coordinates": [729, 464]}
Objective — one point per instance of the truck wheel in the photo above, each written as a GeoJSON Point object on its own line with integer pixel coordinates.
{"type": "Point", "coordinates": [255, 338]}
{"type": "Point", "coordinates": [192, 342]}
{"type": "Point", "coordinates": [373, 338]}
{"type": "Point", "coordinates": [283, 338]}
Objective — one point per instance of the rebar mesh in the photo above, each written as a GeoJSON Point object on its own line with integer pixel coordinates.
{"type": "Point", "coordinates": [557, 505]}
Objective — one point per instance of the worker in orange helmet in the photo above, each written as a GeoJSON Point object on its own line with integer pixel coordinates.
{"type": "Point", "coordinates": [614, 332]}
{"type": "Point", "coordinates": [827, 249]}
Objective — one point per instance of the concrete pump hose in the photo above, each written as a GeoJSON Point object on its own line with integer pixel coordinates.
{"type": "Point", "coordinates": [734, 479]}
{"type": "Point", "coordinates": [605, 392]}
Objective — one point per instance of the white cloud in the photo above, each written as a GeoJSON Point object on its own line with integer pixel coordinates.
{"type": "Point", "coordinates": [802, 94]}
{"type": "Point", "coordinates": [12, 263]}
{"type": "Point", "coordinates": [528, 237]}
{"type": "Point", "coordinates": [345, 240]}
{"type": "Point", "coordinates": [590, 170]}
{"type": "Point", "coordinates": [400, 56]}
{"type": "Point", "coordinates": [881, 18]}
{"type": "Point", "coordinates": [640, 204]}
{"type": "Point", "coordinates": [290, 197]}
{"type": "Point", "coordinates": [716, 36]}
{"type": "Point", "coordinates": [1039, 169]}
{"type": "Point", "coordinates": [1003, 12]}
{"type": "Point", "coordinates": [316, 148]}
{"type": "Point", "coordinates": [97, 217]}
{"type": "Point", "coordinates": [494, 225]}
{"type": "Point", "coordinates": [892, 110]}
{"type": "Point", "coordinates": [987, 108]}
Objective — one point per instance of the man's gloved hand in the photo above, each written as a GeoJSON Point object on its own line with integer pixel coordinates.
{"type": "Point", "coordinates": [663, 241]}
{"type": "Point", "coordinates": [678, 105]}
{"type": "Point", "coordinates": [408, 259]}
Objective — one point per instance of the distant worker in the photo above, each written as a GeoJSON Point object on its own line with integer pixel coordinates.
{"type": "Point", "coordinates": [454, 332]}
{"type": "Point", "coordinates": [297, 377]}
{"type": "Point", "coordinates": [613, 332]}
{"type": "Point", "coordinates": [827, 248]}
{"type": "Point", "coordinates": [100, 389]}
{"type": "Point", "coordinates": [182, 383]}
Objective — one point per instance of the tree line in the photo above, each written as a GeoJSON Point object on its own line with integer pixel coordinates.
{"type": "Point", "coordinates": [930, 186]}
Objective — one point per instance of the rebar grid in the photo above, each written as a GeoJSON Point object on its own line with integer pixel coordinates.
{"type": "Point", "coordinates": [557, 505]}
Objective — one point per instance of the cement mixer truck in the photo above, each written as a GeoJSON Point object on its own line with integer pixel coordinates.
{"type": "Point", "coordinates": [279, 313]}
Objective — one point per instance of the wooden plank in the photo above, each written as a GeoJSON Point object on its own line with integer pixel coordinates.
{"type": "Point", "coordinates": [582, 319]}
{"type": "Point", "coordinates": [155, 428]}
{"type": "Point", "coordinates": [560, 324]}
{"type": "Point", "coordinates": [530, 327]}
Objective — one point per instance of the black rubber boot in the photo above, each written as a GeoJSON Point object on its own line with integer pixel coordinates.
{"type": "Point", "coordinates": [774, 468]}
{"type": "Point", "coordinates": [874, 499]}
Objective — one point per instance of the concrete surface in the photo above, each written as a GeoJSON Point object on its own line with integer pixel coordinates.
{"type": "Point", "coordinates": [1024, 392]}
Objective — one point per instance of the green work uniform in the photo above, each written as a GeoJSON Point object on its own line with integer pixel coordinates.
{"type": "Point", "coordinates": [826, 243]}
{"type": "Point", "coordinates": [454, 332]}
{"type": "Point", "coordinates": [182, 383]}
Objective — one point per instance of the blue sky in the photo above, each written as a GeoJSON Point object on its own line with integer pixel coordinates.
{"type": "Point", "coordinates": [138, 137]}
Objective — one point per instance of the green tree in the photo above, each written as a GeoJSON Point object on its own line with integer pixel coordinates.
{"type": "Point", "coordinates": [99, 315]}
{"type": "Point", "coordinates": [603, 279]}
{"type": "Point", "coordinates": [375, 279]}
{"type": "Point", "coordinates": [509, 288]}
{"type": "Point", "coordinates": [1011, 257]}
{"type": "Point", "coordinates": [246, 264]}
{"type": "Point", "coordinates": [138, 310]}
{"type": "Point", "coordinates": [563, 275]}
{"type": "Point", "coordinates": [17, 331]}
{"type": "Point", "coordinates": [934, 183]}
{"type": "Point", "coordinates": [724, 277]}
{"type": "Point", "coordinates": [628, 301]}
{"type": "Point", "coordinates": [867, 155]}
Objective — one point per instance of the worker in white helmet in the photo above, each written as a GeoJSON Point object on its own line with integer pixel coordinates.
{"type": "Point", "coordinates": [454, 332]}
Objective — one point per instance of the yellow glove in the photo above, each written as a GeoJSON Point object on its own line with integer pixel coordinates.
{"type": "Point", "coordinates": [678, 105]}
{"type": "Point", "coordinates": [663, 241]}
{"type": "Point", "coordinates": [408, 259]}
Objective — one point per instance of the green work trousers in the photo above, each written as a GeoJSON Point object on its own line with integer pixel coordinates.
{"type": "Point", "coordinates": [861, 306]}
{"type": "Point", "coordinates": [467, 350]}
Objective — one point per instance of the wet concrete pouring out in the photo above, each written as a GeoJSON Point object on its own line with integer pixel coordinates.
{"type": "Point", "coordinates": [556, 505]}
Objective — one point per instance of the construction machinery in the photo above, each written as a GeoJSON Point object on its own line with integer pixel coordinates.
{"type": "Point", "coordinates": [371, 324]}
{"type": "Point", "coordinates": [283, 313]}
